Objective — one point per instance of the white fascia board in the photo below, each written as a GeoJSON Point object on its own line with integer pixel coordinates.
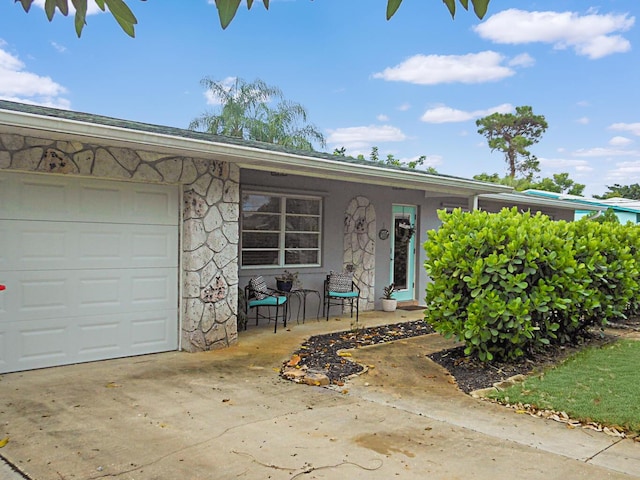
{"type": "Point", "coordinates": [244, 155]}
{"type": "Point", "coordinates": [511, 198]}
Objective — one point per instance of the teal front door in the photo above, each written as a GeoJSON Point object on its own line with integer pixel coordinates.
{"type": "Point", "coordinates": [403, 252]}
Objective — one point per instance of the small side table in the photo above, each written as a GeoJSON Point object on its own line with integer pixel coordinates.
{"type": "Point", "coordinates": [301, 294]}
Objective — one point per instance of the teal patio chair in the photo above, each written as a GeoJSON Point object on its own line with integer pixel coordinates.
{"type": "Point", "coordinates": [338, 289]}
{"type": "Point", "coordinates": [258, 296]}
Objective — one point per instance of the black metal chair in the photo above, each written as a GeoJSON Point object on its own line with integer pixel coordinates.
{"type": "Point", "coordinates": [338, 289]}
{"type": "Point", "coordinates": [257, 295]}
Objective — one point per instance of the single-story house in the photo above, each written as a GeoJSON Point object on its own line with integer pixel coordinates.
{"type": "Point", "coordinates": [626, 210]}
{"type": "Point", "coordinates": [120, 238]}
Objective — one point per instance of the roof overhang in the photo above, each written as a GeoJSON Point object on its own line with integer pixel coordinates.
{"type": "Point", "coordinates": [246, 156]}
{"type": "Point", "coordinates": [538, 201]}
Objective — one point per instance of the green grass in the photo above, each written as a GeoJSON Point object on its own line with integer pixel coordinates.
{"type": "Point", "coordinates": [599, 385]}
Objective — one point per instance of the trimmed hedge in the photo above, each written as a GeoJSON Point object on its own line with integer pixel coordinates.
{"type": "Point", "coordinates": [511, 283]}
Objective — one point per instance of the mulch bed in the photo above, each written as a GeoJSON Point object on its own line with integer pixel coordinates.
{"type": "Point", "coordinates": [320, 353]}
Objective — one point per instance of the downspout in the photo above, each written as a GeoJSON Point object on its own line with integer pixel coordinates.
{"type": "Point", "coordinates": [473, 204]}
{"type": "Point", "coordinates": [180, 268]}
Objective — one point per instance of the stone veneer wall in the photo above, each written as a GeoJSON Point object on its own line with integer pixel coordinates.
{"type": "Point", "coordinates": [360, 247]}
{"type": "Point", "coordinates": [210, 219]}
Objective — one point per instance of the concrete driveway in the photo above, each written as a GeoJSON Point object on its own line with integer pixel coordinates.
{"type": "Point", "coordinates": [227, 415]}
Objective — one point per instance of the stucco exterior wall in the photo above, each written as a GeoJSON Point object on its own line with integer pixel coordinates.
{"type": "Point", "coordinates": [209, 225]}
{"type": "Point", "coordinates": [338, 196]}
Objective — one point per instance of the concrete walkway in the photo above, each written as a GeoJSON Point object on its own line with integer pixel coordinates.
{"type": "Point", "coordinates": [227, 415]}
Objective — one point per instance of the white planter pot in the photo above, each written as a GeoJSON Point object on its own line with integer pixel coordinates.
{"type": "Point", "coordinates": [389, 304]}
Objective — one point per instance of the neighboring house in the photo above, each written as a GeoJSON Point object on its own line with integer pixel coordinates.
{"type": "Point", "coordinates": [120, 238]}
{"type": "Point", "coordinates": [625, 209]}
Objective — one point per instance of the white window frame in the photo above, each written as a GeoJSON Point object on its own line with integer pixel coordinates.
{"type": "Point", "coordinates": [282, 229]}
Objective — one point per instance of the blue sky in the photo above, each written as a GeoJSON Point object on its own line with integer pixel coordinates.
{"type": "Point", "coordinates": [412, 86]}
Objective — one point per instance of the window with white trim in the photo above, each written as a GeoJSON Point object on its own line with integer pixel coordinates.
{"type": "Point", "coordinates": [280, 230]}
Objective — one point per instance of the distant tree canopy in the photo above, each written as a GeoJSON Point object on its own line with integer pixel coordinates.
{"type": "Point", "coordinates": [513, 134]}
{"type": "Point", "coordinates": [625, 191]}
{"type": "Point", "coordinates": [226, 10]}
{"type": "Point", "coordinates": [374, 156]}
{"type": "Point", "coordinates": [608, 216]}
{"type": "Point", "coordinates": [558, 183]}
{"type": "Point", "coordinates": [246, 112]}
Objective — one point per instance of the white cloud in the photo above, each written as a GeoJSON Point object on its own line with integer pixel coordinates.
{"type": "Point", "coordinates": [362, 137]}
{"type": "Point", "coordinates": [592, 35]}
{"type": "Point", "coordinates": [583, 103]}
{"type": "Point", "coordinates": [625, 172]}
{"type": "Point", "coordinates": [633, 128]}
{"type": "Point", "coordinates": [620, 141]}
{"type": "Point", "coordinates": [564, 164]}
{"type": "Point", "coordinates": [58, 47]}
{"type": "Point", "coordinates": [18, 85]}
{"type": "Point", "coordinates": [583, 120]}
{"type": "Point", "coordinates": [522, 60]}
{"type": "Point", "coordinates": [382, 117]}
{"type": "Point", "coordinates": [605, 152]}
{"type": "Point", "coordinates": [444, 114]}
{"type": "Point", "coordinates": [435, 69]}
{"type": "Point", "coordinates": [404, 107]}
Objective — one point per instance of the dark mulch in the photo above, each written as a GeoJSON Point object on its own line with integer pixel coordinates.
{"type": "Point", "coordinates": [320, 352]}
{"type": "Point", "coordinates": [471, 374]}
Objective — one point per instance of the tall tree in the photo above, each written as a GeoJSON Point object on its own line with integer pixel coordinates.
{"type": "Point", "coordinates": [245, 112]}
{"type": "Point", "coordinates": [625, 191]}
{"type": "Point", "coordinates": [226, 10]}
{"type": "Point", "coordinates": [512, 134]}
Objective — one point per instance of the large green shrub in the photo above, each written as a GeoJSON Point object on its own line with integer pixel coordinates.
{"type": "Point", "coordinates": [510, 283]}
{"type": "Point", "coordinates": [609, 252]}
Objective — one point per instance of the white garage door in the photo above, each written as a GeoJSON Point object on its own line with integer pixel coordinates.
{"type": "Point", "coordinates": [91, 270]}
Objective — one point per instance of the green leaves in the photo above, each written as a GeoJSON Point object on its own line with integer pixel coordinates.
{"type": "Point", "coordinates": [479, 6]}
{"type": "Point", "coordinates": [118, 8]}
{"type": "Point", "coordinates": [123, 15]}
{"type": "Point", "coordinates": [524, 282]}
{"type": "Point", "coordinates": [392, 7]}
{"type": "Point", "coordinates": [227, 10]}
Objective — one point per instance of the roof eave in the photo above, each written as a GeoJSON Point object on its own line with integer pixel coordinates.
{"type": "Point", "coordinates": [243, 155]}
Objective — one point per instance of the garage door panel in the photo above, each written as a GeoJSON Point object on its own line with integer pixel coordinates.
{"type": "Point", "coordinates": [45, 295]}
{"type": "Point", "coordinates": [102, 203]}
{"type": "Point", "coordinates": [39, 345]}
{"type": "Point", "coordinates": [5, 354]}
{"type": "Point", "coordinates": [155, 203]}
{"type": "Point", "coordinates": [153, 289]}
{"type": "Point", "coordinates": [49, 199]}
{"type": "Point", "coordinates": [100, 337]}
{"type": "Point", "coordinates": [151, 330]}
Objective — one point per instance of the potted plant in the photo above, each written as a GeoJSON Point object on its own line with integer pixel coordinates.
{"type": "Point", "coordinates": [389, 304]}
{"type": "Point", "coordinates": [286, 281]}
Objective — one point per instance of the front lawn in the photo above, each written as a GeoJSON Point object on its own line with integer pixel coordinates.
{"type": "Point", "coordinates": [597, 384]}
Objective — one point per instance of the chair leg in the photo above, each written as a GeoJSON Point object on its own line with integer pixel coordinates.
{"type": "Point", "coordinates": [275, 327]}
{"type": "Point", "coordinates": [285, 312]}
{"type": "Point", "coordinates": [357, 300]}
